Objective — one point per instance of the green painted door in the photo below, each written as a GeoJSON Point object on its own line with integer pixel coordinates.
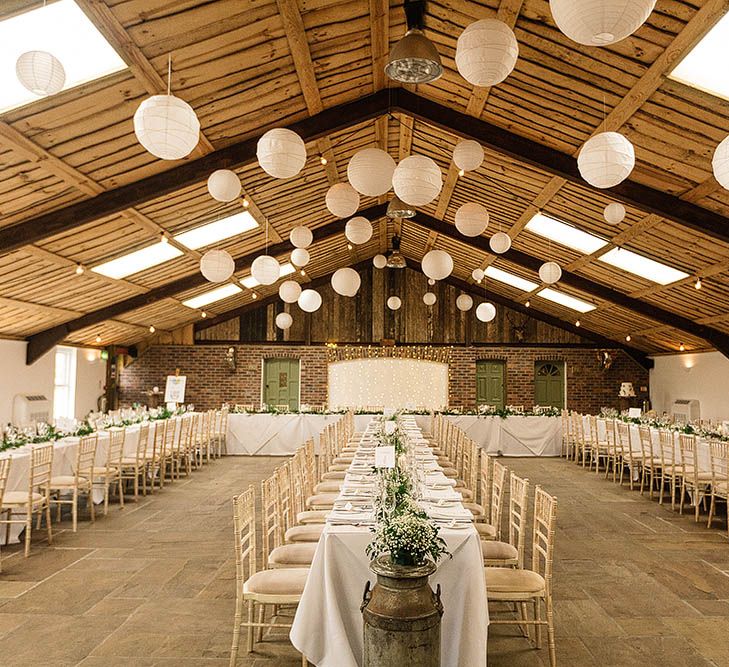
{"type": "Point", "coordinates": [549, 383]}
{"type": "Point", "coordinates": [490, 383]}
{"type": "Point", "coordinates": [281, 382]}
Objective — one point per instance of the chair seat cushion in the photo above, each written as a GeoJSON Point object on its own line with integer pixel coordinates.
{"type": "Point", "coordinates": [466, 494]}
{"type": "Point", "coordinates": [130, 461]}
{"type": "Point", "coordinates": [321, 500]}
{"type": "Point", "coordinates": [475, 509]}
{"type": "Point", "coordinates": [102, 470]}
{"type": "Point", "coordinates": [450, 472]}
{"type": "Point", "coordinates": [312, 516]}
{"type": "Point", "coordinates": [485, 530]}
{"type": "Point", "coordinates": [721, 487]}
{"type": "Point", "coordinates": [328, 486]}
{"type": "Point", "coordinates": [277, 582]}
{"type": "Point", "coordinates": [310, 532]}
{"type": "Point", "coordinates": [688, 471]}
{"type": "Point", "coordinates": [66, 480]}
{"type": "Point", "coordinates": [502, 581]}
{"type": "Point", "coordinates": [343, 460]}
{"type": "Point", "coordinates": [293, 555]}
{"type": "Point", "coordinates": [20, 498]}
{"type": "Point", "coordinates": [493, 550]}
{"type": "Point", "coordinates": [334, 474]}
{"type": "Point", "coordinates": [339, 467]}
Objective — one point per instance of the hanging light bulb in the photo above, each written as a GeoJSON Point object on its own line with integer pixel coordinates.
{"type": "Point", "coordinates": [528, 303]}
{"type": "Point", "coordinates": [152, 329]}
{"type": "Point", "coordinates": [682, 347]}
{"type": "Point", "coordinates": [627, 338]}
{"type": "Point", "coordinates": [349, 246]}
{"type": "Point", "coordinates": [79, 269]}
{"type": "Point", "coordinates": [323, 160]}
{"type": "Point", "coordinates": [697, 284]}
{"type": "Point", "coordinates": [98, 338]}
{"type": "Point", "coordinates": [461, 172]}
{"type": "Point", "coordinates": [414, 59]}
{"type": "Point", "coordinates": [577, 323]}
{"type": "Point", "coordinates": [203, 314]}
{"type": "Point", "coordinates": [246, 203]}
{"type": "Point", "coordinates": [254, 295]}
{"type": "Point", "coordinates": [163, 238]}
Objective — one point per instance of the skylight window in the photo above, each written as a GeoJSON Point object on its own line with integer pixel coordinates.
{"type": "Point", "coordinates": [642, 266]}
{"type": "Point", "coordinates": [703, 67]}
{"type": "Point", "coordinates": [510, 279]}
{"type": "Point", "coordinates": [217, 231]}
{"type": "Point", "coordinates": [62, 29]}
{"type": "Point", "coordinates": [565, 234]}
{"type": "Point", "coordinates": [217, 294]}
{"type": "Point", "coordinates": [137, 261]}
{"type": "Point", "coordinates": [566, 300]}
{"type": "Point", "coordinates": [286, 270]}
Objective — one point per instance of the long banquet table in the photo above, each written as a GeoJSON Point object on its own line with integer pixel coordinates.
{"type": "Point", "coordinates": [327, 627]}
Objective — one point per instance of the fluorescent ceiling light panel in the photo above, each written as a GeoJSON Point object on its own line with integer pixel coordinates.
{"type": "Point", "coordinates": [137, 261]}
{"type": "Point", "coordinates": [62, 29]}
{"type": "Point", "coordinates": [642, 266]}
{"type": "Point", "coordinates": [704, 66]}
{"type": "Point", "coordinates": [216, 294]}
{"type": "Point", "coordinates": [510, 279]}
{"type": "Point", "coordinates": [217, 231]}
{"type": "Point", "coordinates": [286, 270]}
{"type": "Point", "coordinates": [566, 300]}
{"type": "Point", "coordinates": [565, 234]}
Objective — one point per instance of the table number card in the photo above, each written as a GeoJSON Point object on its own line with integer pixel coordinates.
{"type": "Point", "coordinates": [385, 457]}
{"type": "Point", "coordinates": [634, 412]}
{"type": "Point", "coordinates": [390, 427]}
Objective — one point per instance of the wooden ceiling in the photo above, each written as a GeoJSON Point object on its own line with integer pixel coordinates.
{"type": "Point", "coordinates": [77, 187]}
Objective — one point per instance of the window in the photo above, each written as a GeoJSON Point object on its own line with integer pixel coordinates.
{"type": "Point", "coordinates": [139, 260]}
{"type": "Point", "coordinates": [64, 390]}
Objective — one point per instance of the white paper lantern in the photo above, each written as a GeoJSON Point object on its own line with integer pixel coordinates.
{"type": "Point", "coordinates": [284, 321]}
{"type": "Point", "coordinates": [394, 303]}
{"type": "Point", "coordinates": [342, 200]}
{"type": "Point", "coordinates": [478, 275]}
{"type": "Point", "coordinates": [417, 180]}
{"type": "Point", "coordinates": [380, 261]}
{"type": "Point", "coordinates": [358, 230]}
{"type": "Point", "coordinates": [431, 282]}
{"type": "Point", "coordinates": [217, 266]}
{"type": "Point", "coordinates": [600, 22]}
{"type": "Point", "coordinates": [550, 272]}
{"type": "Point", "coordinates": [167, 127]}
{"type": "Point", "coordinates": [429, 298]}
{"type": "Point", "coordinates": [289, 291]}
{"type": "Point", "coordinates": [486, 52]}
{"type": "Point", "coordinates": [281, 153]}
{"type": "Point", "coordinates": [346, 281]}
{"type": "Point", "coordinates": [486, 312]}
{"type": "Point", "coordinates": [614, 213]}
{"type": "Point", "coordinates": [301, 237]}
{"type": "Point", "coordinates": [468, 155]}
{"type": "Point", "coordinates": [606, 159]}
{"type": "Point", "coordinates": [464, 302]}
{"type": "Point", "coordinates": [310, 300]}
{"type": "Point", "coordinates": [720, 163]}
{"type": "Point", "coordinates": [500, 242]}
{"type": "Point", "coordinates": [265, 269]}
{"type": "Point", "coordinates": [224, 185]}
{"type": "Point", "coordinates": [472, 219]}
{"type": "Point", "coordinates": [437, 264]}
{"type": "Point", "coordinates": [40, 72]}
{"type": "Point", "coordinates": [370, 172]}
{"type": "Point", "coordinates": [300, 257]}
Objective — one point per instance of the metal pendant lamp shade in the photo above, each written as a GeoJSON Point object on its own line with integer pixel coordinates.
{"type": "Point", "coordinates": [397, 208]}
{"type": "Point", "coordinates": [395, 260]}
{"type": "Point", "coordinates": [414, 59]}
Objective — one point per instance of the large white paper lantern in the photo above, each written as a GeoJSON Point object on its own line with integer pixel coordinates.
{"type": "Point", "coordinates": [472, 219]}
{"type": "Point", "coordinates": [614, 213]}
{"type": "Point", "coordinates": [486, 52]}
{"type": "Point", "coordinates": [380, 261]}
{"type": "Point", "coordinates": [40, 72]}
{"type": "Point", "coordinates": [301, 237]}
{"type": "Point", "coordinates": [310, 300]}
{"type": "Point", "coordinates": [370, 172]}
{"type": "Point", "coordinates": [486, 312]}
{"type": "Point", "coordinates": [500, 242]}
{"type": "Point", "coordinates": [720, 164]}
{"type": "Point", "coordinates": [606, 159]}
{"type": "Point", "coordinates": [478, 275]}
{"type": "Point", "coordinates": [600, 22]}
{"type": "Point", "coordinates": [394, 303]}
{"type": "Point", "coordinates": [289, 291]}
{"type": "Point", "coordinates": [464, 303]}
{"type": "Point", "coordinates": [437, 264]}
{"type": "Point", "coordinates": [284, 321]}
{"type": "Point", "coordinates": [468, 155]}
{"type": "Point", "coordinates": [266, 269]}
{"type": "Point", "coordinates": [417, 180]}
{"type": "Point", "coordinates": [429, 299]}
{"type": "Point", "coordinates": [281, 153]}
{"type": "Point", "coordinates": [550, 272]}
{"type": "Point", "coordinates": [224, 185]}
{"type": "Point", "coordinates": [358, 230]}
{"type": "Point", "coordinates": [217, 266]}
{"type": "Point", "coordinates": [300, 257]}
{"type": "Point", "coordinates": [167, 127]}
{"type": "Point", "coordinates": [342, 200]}
{"type": "Point", "coordinates": [346, 281]}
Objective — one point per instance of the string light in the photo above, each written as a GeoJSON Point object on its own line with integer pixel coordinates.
{"type": "Point", "coordinates": [627, 338]}
{"type": "Point", "coordinates": [246, 203]}
{"type": "Point", "coordinates": [577, 323]}
{"type": "Point", "coordinates": [682, 347]}
{"type": "Point", "coordinates": [349, 246]}
{"type": "Point", "coordinates": [302, 272]}
{"type": "Point", "coordinates": [254, 295]}
{"type": "Point", "coordinates": [323, 160]}
{"type": "Point", "coordinates": [697, 284]}
{"type": "Point", "coordinates": [79, 269]}
{"type": "Point", "coordinates": [98, 338]}
{"type": "Point", "coordinates": [528, 303]}
{"type": "Point", "coordinates": [461, 173]}
{"type": "Point", "coordinates": [152, 329]}
{"type": "Point", "coordinates": [163, 238]}
{"type": "Point", "coordinates": [203, 314]}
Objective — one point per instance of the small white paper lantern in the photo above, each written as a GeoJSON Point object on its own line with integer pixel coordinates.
{"type": "Point", "coordinates": [358, 230]}
{"type": "Point", "coordinates": [429, 299]}
{"type": "Point", "coordinates": [431, 282]}
{"type": "Point", "coordinates": [40, 72]}
{"type": "Point", "coordinates": [300, 257]}
{"type": "Point", "coordinates": [550, 272]}
{"type": "Point", "coordinates": [606, 159]}
{"type": "Point", "coordinates": [478, 275]}
{"type": "Point", "coordinates": [346, 281]}
{"type": "Point", "coordinates": [614, 213]}
{"type": "Point", "coordinates": [310, 300]}
{"type": "Point", "coordinates": [437, 264]}
{"type": "Point", "coordinates": [284, 321]}
{"type": "Point", "coordinates": [417, 180]}
{"type": "Point", "coordinates": [301, 237]}
{"type": "Point", "coordinates": [224, 185]}
{"type": "Point", "coordinates": [486, 312]}
{"type": "Point", "coordinates": [500, 242]}
{"type": "Point", "coordinates": [486, 52]}
{"type": "Point", "coordinates": [394, 303]}
{"type": "Point", "coordinates": [370, 172]}
{"type": "Point", "coordinates": [472, 219]}
{"type": "Point", "coordinates": [600, 22]}
{"type": "Point", "coordinates": [281, 153]}
{"type": "Point", "coordinates": [265, 269]}
{"type": "Point", "coordinates": [217, 266]}
{"type": "Point", "coordinates": [464, 303]}
{"type": "Point", "coordinates": [720, 164]}
{"type": "Point", "coordinates": [167, 127]}
{"type": "Point", "coordinates": [342, 200]}
{"type": "Point", "coordinates": [289, 291]}
{"type": "Point", "coordinates": [380, 261]}
{"type": "Point", "coordinates": [468, 155]}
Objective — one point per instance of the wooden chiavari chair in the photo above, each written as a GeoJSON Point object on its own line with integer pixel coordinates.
{"type": "Point", "coordinates": [718, 452]}
{"type": "Point", "coordinates": [110, 473]}
{"type": "Point", "coordinates": [600, 446]}
{"type": "Point", "coordinates": [578, 433]}
{"type": "Point", "coordinates": [154, 455]}
{"type": "Point", "coordinates": [694, 482]}
{"type": "Point", "coordinates": [511, 553]}
{"type": "Point", "coordinates": [670, 470]}
{"type": "Point", "coordinates": [566, 434]}
{"type": "Point", "coordinates": [133, 468]}
{"type": "Point", "coordinates": [650, 462]}
{"type": "Point", "coordinates": [4, 473]}
{"type": "Point", "coordinates": [81, 481]}
{"type": "Point", "coordinates": [628, 456]}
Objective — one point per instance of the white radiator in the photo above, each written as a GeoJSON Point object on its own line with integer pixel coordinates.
{"type": "Point", "coordinates": [686, 410]}
{"type": "Point", "coordinates": [29, 409]}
